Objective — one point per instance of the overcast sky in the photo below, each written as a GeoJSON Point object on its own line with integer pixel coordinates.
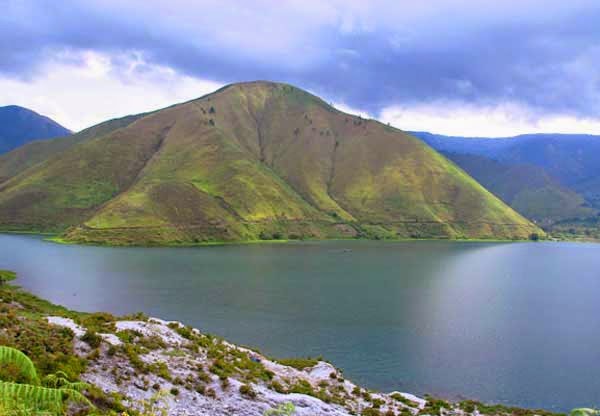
{"type": "Point", "coordinates": [479, 67]}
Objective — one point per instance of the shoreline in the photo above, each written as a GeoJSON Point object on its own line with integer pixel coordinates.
{"type": "Point", "coordinates": [57, 239]}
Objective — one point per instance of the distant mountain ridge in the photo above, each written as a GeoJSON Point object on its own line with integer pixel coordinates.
{"type": "Point", "coordinates": [551, 178]}
{"type": "Point", "coordinates": [19, 125]}
{"type": "Point", "coordinates": [256, 160]}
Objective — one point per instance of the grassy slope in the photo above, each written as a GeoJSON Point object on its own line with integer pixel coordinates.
{"type": "Point", "coordinates": [65, 188]}
{"type": "Point", "coordinates": [550, 178]}
{"type": "Point", "coordinates": [527, 188]}
{"type": "Point", "coordinates": [24, 157]}
{"type": "Point", "coordinates": [253, 160]}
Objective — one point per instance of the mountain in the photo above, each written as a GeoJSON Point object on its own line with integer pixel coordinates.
{"type": "Point", "coordinates": [257, 160]}
{"type": "Point", "coordinates": [19, 126]}
{"type": "Point", "coordinates": [550, 178]}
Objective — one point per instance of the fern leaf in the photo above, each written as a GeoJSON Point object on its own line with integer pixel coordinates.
{"type": "Point", "coordinates": [40, 398]}
{"type": "Point", "coordinates": [25, 366]}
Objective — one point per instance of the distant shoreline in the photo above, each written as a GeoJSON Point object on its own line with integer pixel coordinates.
{"type": "Point", "coordinates": [56, 238]}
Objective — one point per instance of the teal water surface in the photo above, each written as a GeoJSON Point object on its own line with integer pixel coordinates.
{"type": "Point", "coordinates": [512, 323]}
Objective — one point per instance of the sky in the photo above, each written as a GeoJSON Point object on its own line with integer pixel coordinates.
{"type": "Point", "coordinates": [457, 67]}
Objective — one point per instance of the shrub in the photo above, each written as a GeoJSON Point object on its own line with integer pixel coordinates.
{"type": "Point", "coordinates": [225, 383]}
{"type": "Point", "coordinates": [400, 398]}
{"type": "Point", "coordinates": [434, 406]}
{"type": "Point", "coordinates": [302, 387]}
{"type": "Point", "coordinates": [97, 322]}
{"type": "Point", "coordinates": [299, 363]}
{"type": "Point", "coordinates": [153, 342]}
{"type": "Point", "coordinates": [377, 403]}
{"type": "Point", "coordinates": [174, 391]}
{"type": "Point", "coordinates": [7, 276]}
{"type": "Point", "coordinates": [284, 409]}
{"type": "Point", "coordinates": [92, 339]}
{"type": "Point", "coordinates": [275, 385]}
{"type": "Point", "coordinates": [248, 391]}
{"type": "Point", "coordinates": [203, 376]}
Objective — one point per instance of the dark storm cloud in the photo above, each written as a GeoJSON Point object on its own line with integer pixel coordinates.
{"type": "Point", "coordinates": [544, 54]}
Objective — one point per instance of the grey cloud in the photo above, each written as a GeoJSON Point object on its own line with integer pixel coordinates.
{"type": "Point", "coordinates": [542, 54]}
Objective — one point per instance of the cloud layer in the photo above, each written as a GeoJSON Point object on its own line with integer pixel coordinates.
{"type": "Point", "coordinates": [540, 56]}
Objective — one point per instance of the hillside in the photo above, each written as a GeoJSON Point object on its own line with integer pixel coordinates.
{"type": "Point", "coordinates": [529, 189]}
{"type": "Point", "coordinates": [19, 126]}
{"type": "Point", "coordinates": [550, 178]}
{"type": "Point", "coordinates": [37, 151]}
{"type": "Point", "coordinates": [255, 160]}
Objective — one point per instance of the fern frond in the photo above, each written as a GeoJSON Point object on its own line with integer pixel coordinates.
{"type": "Point", "coordinates": [25, 366]}
{"type": "Point", "coordinates": [584, 411]}
{"type": "Point", "coordinates": [40, 398]}
{"type": "Point", "coordinates": [60, 380]}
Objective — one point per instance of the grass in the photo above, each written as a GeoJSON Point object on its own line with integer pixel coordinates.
{"type": "Point", "coordinates": [299, 363]}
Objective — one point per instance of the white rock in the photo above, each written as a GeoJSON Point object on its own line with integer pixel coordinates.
{"type": "Point", "coordinates": [78, 330]}
{"type": "Point", "coordinates": [412, 397]}
{"type": "Point", "coordinates": [112, 339]}
{"type": "Point", "coordinates": [321, 371]}
{"type": "Point", "coordinates": [154, 327]}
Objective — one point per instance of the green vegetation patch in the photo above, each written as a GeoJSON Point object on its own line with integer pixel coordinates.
{"type": "Point", "coordinates": [299, 363]}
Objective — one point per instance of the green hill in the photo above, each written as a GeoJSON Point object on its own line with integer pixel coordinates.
{"type": "Point", "coordinates": [256, 160]}
{"type": "Point", "coordinates": [529, 189]}
{"type": "Point", "coordinates": [553, 179]}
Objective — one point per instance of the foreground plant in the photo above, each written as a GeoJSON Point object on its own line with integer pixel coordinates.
{"type": "Point", "coordinates": [22, 393]}
{"type": "Point", "coordinates": [584, 411]}
{"type": "Point", "coordinates": [7, 276]}
{"type": "Point", "coordinates": [284, 409]}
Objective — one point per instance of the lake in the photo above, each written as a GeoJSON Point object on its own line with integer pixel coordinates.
{"type": "Point", "coordinates": [512, 323]}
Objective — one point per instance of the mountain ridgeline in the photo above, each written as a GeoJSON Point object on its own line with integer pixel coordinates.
{"type": "Point", "coordinates": [553, 179]}
{"type": "Point", "coordinates": [256, 160]}
{"type": "Point", "coordinates": [19, 126]}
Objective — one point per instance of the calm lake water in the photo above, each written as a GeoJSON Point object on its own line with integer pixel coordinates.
{"type": "Point", "coordinates": [508, 323]}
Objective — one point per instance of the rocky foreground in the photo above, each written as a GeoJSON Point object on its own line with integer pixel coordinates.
{"type": "Point", "coordinates": [204, 375]}
{"type": "Point", "coordinates": [168, 367]}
